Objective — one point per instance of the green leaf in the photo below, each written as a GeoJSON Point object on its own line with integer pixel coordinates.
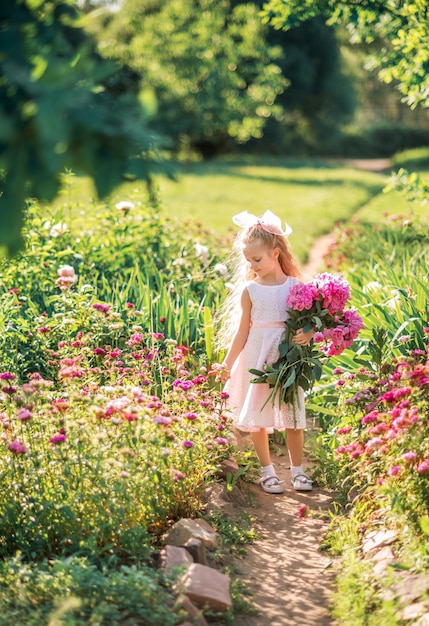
{"type": "Point", "coordinates": [290, 379]}
{"type": "Point", "coordinates": [424, 524]}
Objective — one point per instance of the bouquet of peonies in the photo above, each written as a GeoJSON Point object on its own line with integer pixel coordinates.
{"type": "Point", "coordinates": [319, 305]}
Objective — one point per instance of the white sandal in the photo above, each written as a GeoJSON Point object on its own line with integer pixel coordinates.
{"type": "Point", "coordinates": [301, 482]}
{"type": "Point", "coordinates": [271, 484]}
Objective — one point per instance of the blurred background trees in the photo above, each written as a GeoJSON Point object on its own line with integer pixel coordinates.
{"type": "Point", "coordinates": [102, 87]}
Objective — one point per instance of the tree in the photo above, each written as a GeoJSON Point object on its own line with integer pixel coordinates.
{"type": "Point", "coordinates": [213, 74]}
{"type": "Point", "coordinates": [61, 106]}
{"type": "Point", "coordinates": [403, 25]}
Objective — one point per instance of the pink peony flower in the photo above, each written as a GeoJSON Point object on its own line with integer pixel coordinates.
{"type": "Point", "coordinates": [335, 292]}
{"type": "Point", "coordinates": [302, 296]}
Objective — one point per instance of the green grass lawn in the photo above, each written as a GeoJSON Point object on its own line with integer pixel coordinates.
{"type": "Point", "coordinates": [310, 196]}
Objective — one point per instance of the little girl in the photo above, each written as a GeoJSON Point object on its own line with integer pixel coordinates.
{"type": "Point", "coordinates": [265, 272]}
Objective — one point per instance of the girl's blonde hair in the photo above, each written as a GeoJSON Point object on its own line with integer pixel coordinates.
{"type": "Point", "coordinates": [229, 314]}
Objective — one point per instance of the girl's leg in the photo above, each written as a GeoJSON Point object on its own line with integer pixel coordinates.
{"type": "Point", "coordinates": [295, 444]}
{"type": "Point", "coordinates": [269, 481]}
{"type": "Point", "coordinates": [262, 448]}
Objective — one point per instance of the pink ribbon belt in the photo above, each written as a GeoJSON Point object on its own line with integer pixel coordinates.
{"type": "Point", "coordinates": [266, 324]}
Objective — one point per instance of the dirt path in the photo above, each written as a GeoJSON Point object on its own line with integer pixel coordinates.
{"type": "Point", "coordinates": [288, 576]}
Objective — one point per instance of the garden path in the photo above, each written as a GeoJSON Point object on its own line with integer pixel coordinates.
{"type": "Point", "coordinates": [290, 579]}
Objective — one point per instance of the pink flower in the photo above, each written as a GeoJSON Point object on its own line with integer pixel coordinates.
{"type": "Point", "coordinates": [24, 414]}
{"type": "Point", "coordinates": [302, 296]}
{"type": "Point", "coordinates": [409, 456]}
{"type": "Point", "coordinates": [335, 292]}
{"type": "Point", "coordinates": [303, 511]}
{"type": "Point", "coordinates": [344, 430]}
{"type": "Point", "coordinates": [135, 339]}
{"type": "Point", "coordinates": [7, 376]}
{"type": "Point", "coordinates": [221, 441]}
{"type": "Point", "coordinates": [17, 447]}
{"type": "Point", "coordinates": [99, 306]}
{"type": "Point", "coordinates": [58, 438]}
{"type": "Point", "coordinates": [394, 470]}
{"type": "Point", "coordinates": [187, 444]}
{"type": "Point", "coordinates": [99, 352]}
{"type": "Point", "coordinates": [177, 475]}
{"type": "Point", "coordinates": [162, 420]}
{"type": "Point", "coordinates": [66, 277]}
{"type": "Point", "coordinates": [423, 467]}
{"type": "Point", "coordinates": [190, 416]}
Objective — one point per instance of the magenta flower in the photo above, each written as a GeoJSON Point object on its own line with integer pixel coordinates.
{"type": "Point", "coordinates": [335, 292]}
{"type": "Point", "coordinates": [344, 430]}
{"type": "Point", "coordinates": [17, 447]}
{"type": "Point", "coordinates": [303, 511]}
{"type": "Point", "coordinates": [10, 390]}
{"type": "Point", "coordinates": [302, 296]}
{"type": "Point", "coordinates": [190, 415]}
{"type": "Point", "coordinates": [187, 444]}
{"type": "Point", "coordinates": [221, 441]}
{"type": "Point", "coordinates": [7, 376]}
{"type": "Point", "coordinates": [58, 438]}
{"type": "Point", "coordinates": [99, 306]}
{"type": "Point", "coordinates": [99, 352]}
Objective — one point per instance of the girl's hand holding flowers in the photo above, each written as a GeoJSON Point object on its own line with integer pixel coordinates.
{"type": "Point", "coordinates": [303, 338]}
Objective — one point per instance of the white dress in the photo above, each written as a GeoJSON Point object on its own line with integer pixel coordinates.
{"type": "Point", "coordinates": [246, 399]}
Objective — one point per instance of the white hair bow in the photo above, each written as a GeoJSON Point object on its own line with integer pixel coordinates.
{"type": "Point", "coordinates": [269, 222]}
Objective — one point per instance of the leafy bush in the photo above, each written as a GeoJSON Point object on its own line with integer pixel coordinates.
{"type": "Point", "coordinates": [132, 258]}
{"type": "Point", "coordinates": [75, 592]}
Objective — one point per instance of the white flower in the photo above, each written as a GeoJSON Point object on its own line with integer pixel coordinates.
{"type": "Point", "coordinates": [58, 229]}
{"type": "Point", "coordinates": [125, 206]}
{"type": "Point", "coordinates": [202, 252]}
{"type": "Point", "coordinates": [221, 269]}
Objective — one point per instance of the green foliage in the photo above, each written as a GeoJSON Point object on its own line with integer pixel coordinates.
{"type": "Point", "coordinates": [320, 98]}
{"type": "Point", "coordinates": [75, 592]}
{"type": "Point", "coordinates": [404, 26]}
{"type": "Point", "coordinates": [57, 111]}
{"type": "Point", "coordinates": [136, 260]}
{"type": "Point", "coordinates": [214, 75]}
